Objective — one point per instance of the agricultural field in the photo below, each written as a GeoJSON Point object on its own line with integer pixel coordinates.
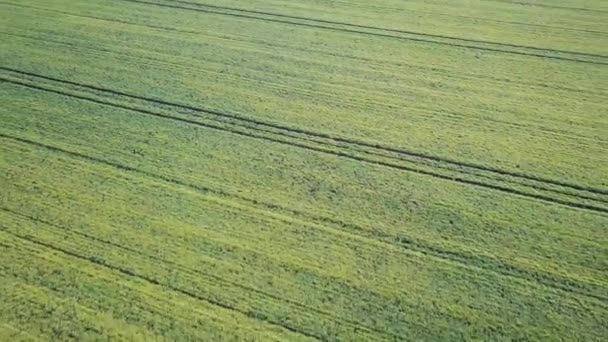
{"type": "Point", "coordinates": [314, 170]}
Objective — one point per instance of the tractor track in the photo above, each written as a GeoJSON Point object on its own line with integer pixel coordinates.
{"type": "Point", "coordinates": [537, 187]}
{"type": "Point", "coordinates": [194, 272]}
{"type": "Point", "coordinates": [405, 242]}
{"type": "Point", "coordinates": [154, 281]}
{"type": "Point", "coordinates": [386, 33]}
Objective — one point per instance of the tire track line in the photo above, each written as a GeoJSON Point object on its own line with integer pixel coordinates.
{"type": "Point", "coordinates": [342, 154]}
{"type": "Point", "coordinates": [153, 310]}
{"type": "Point", "coordinates": [337, 139]}
{"type": "Point", "coordinates": [369, 27]}
{"type": "Point", "coordinates": [321, 25]}
{"type": "Point", "coordinates": [384, 9]}
{"type": "Point", "coordinates": [51, 10]}
{"type": "Point", "coordinates": [194, 272]}
{"type": "Point", "coordinates": [368, 60]}
{"type": "Point", "coordinates": [522, 3]}
{"type": "Point", "coordinates": [468, 40]}
{"type": "Point", "coordinates": [306, 93]}
{"type": "Point", "coordinates": [549, 132]}
{"type": "Point", "coordinates": [256, 316]}
{"type": "Point", "coordinates": [288, 132]}
{"type": "Point", "coordinates": [404, 242]}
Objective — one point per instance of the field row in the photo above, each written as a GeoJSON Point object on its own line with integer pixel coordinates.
{"type": "Point", "coordinates": [319, 170]}
{"type": "Point", "coordinates": [58, 293]}
{"type": "Point", "coordinates": [318, 191]}
{"type": "Point", "coordinates": [383, 32]}
{"type": "Point", "coordinates": [515, 183]}
{"type": "Point", "coordinates": [419, 22]}
{"type": "Point", "coordinates": [223, 255]}
{"type": "Point", "coordinates": [341, 94]}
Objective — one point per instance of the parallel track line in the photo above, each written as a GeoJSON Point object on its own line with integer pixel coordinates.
{"type": "Point", "coordinates": [468, 40]}
{"type": "Point", "coordinates": [336, 138]}
{"type": "Point", "coordinates": [340, 153]}
{"type": "Point", "coordinates": [407, 243]}
{"type": "Point", "coordinates": [568, 8]}
{"type": "Point", "coordinates": [377, 34]}
{"type": "Point", "coordinates": [257, 316]}
{"type": "Point", "coordinates": [186, 269]}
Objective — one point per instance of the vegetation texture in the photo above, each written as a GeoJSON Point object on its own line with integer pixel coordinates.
{"type": "Point", "coordinates": [287, 170]}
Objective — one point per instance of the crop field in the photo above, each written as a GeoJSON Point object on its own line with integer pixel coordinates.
{"type": "Point", "coordinates": [314, 170]}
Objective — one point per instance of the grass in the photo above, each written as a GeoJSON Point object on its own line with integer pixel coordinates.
{"type": "Point", "coordinates": [303, 171]}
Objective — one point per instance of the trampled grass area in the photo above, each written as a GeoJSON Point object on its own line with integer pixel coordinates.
{"type": "Point", "coordinates": [303, 170]}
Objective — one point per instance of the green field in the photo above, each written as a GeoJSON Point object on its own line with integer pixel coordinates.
{"type": "Point", "coordinates": [282, 170]}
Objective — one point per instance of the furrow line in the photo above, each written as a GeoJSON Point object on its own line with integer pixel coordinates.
{"type": "Point", "coordinates": [381, 9]}
{"type": "Point", "coordinates": [457, 117]}
{"type": "Point", "coordinates": [337, 139]}
{"type": "Point", "coordinates": [377, 34]}
{"type": "Point", "coordinates": [423, 163]}
{"type": "Point", "coordinates": [329, 148]}
{"type": "Point", "coordinates": [254, 315]}
{"type": "Point", "coordinates": [407, 243]}
{"type": "Point", "coordinates": [273, 44]}
{"type": "Point", "coordinates": [306, 93]}
{"type": "Point", "coordinates": [50, 10]}
{"type": "Point", "coordinates": [325, 150]}
{"type": "Point", "coordinates": [522, 3]}
{"type": "Point", "coordinates": [195, 272]}
{"type": "Point", "coordinates": [491, 178]}
{"type": "Point", "coordinates": [468, 40]}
